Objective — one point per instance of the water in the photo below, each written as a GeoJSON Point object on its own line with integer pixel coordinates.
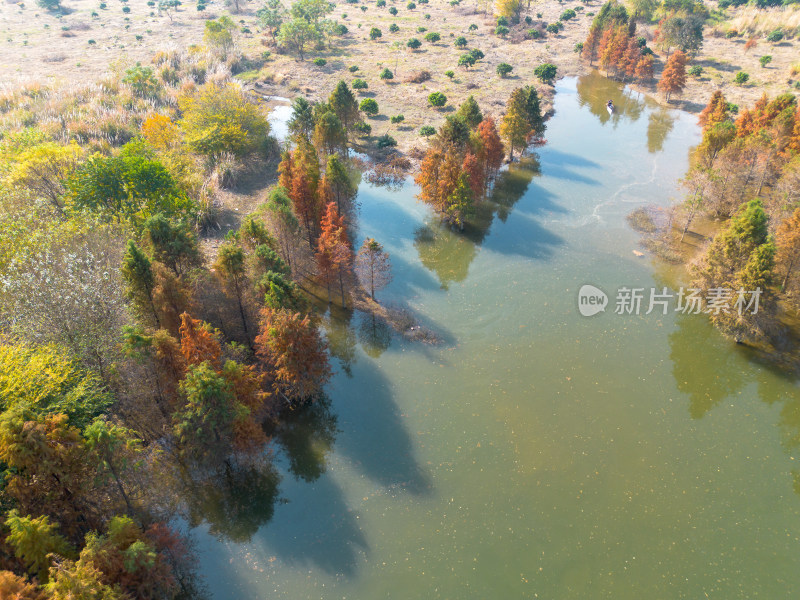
{"type": "Point", "coordinates": [535, 453]}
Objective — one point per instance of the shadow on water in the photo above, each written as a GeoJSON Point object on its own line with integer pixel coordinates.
{"type": "Point", "coordinates": [234, 499]}
{"type": "Point", "coordinates": [341, 337]}
{"type": "Point", "coordinates": [659, 124]}
{"type": "Point", "coordinates": [448, 253]}
{"type": "Point", "coordinates": [374, 334]}
{"type": "Point", "coordinates": [704, 365]}
{"type": "Point", "coordinates": [307, 437]}
{"type": "Point", "coordinates": [594, 91]}
{"type": "Point", "coordinates": [317, 528]}
{"type": "Point", "coordinates": [317, 525]}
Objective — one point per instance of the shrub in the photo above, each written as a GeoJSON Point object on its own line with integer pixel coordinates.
{"type": "Point", "coordinates": [546, 72]}
{"type": "Point", "coordinates": [695, 71]}
{"type": "Point", "coordinates": [386, 75]}
{"type": "Point", "coordinates": [426, 130]}
{"type": "Point", "coordinates": [386, 141]}
{"type": "Point", "coordinates": [501, 31]}
{"type": "Point", "coordinates": [419, 77]}
{"type": "Point", "coordinates": [504, 69]}
{"type": "Point", "coordinates": [422, 29]}
{"type": "Point", "coordinates": [461, 42]}
{"type": "Point", "coordinates": [567, 15]}
{"type": "Point", "coordinates": [449, 74]}
{"type": "Point", "coordinates": [380, 3]}
{"type": "Point", "coordinates": [476, 54]}
{"type": "Point", "coordinates": [534, 34]}
{"type": "Point", "coordinates": [578, 48]}
{"type": "Point", "coordinates": [359, 84]}
{"type": "Point", "coordinates": [340, 29]}
{"type": "Point", "coordinates": [393, 28]}
{"type": "Point", "coordinates": [353, 68]}
{"type": "Point", "coordinates": [92, 42]}
{"type": "Point", "coordinates": [369, 107]}
{"type": "Point", "coordinates": [466, 60]}
{"type": "Point", "coordinates": [731, 33]}
{"type": "Point", "coordinates": [432, 37]}
{"type": "Point", "coordinates": [374, 33]}
{"type": "Point", "coordinates": [413, 43]}
{"type": "Point", "coordinates": [320, 62]}
{"type": "Point", "coordinates": [363, 128]}
{"type": "Point", "coordinates": [126, 9]}
{"type": "Point", "coordinates": [775, 36]}
{"type": "Point", "coordinates": [363, 8]}
{"type": "Point", "coordinates": [528, 20]}
{"type": "Point", "coordinates": [472, 27]}
{"type": "Point", "coordinates": [426, 16]}
{"type": "Point", "coordinates": [538, 15]}
{"type": "Point", "coordinates": [397, 119]}
{"type": "Point", "coordinates": [245, 129]}
{"type": "Point", "coordinates": [765, 60]}
{"type": "Point", "coordinates": [502, 22]}
{"type": "Point", "coordinates": [741, 78]}
{"type": "Point", "coordinates": [437, 99]}
{"type": "Point", "coordinates": [553, 28]}
{"type": "Point", "coordinates": [392, 11]}
{"type": "Point", "coordinates": [411, 6]}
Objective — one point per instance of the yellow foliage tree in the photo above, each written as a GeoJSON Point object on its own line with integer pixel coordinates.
{"type": "Point", "coordinates": [220, 118]}
{"type": "Point", "coordinates": [160, 132]}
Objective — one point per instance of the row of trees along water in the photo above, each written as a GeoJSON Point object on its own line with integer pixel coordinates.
{"type": "Point", "coordinates": [613, 41]}
{"type": "Point", "coordinates": [465, 156]}
{"type": "Point", "coordinates": [142, 375]}
{"type": "Point", "coordinates": [746, 174]}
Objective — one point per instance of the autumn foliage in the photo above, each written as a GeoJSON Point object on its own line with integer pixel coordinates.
{"type": "Point", "coordinates": [673, 78]}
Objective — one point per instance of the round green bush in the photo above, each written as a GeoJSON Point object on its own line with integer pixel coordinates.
{"type": "Point", "coordinates": [320, 62]}
{"type": "Point", "coordinates": [775, 36]}
{"type": "Point", "coordinates": [413, 43]}
{"type": "Point", "coordinates": [369, 106]}
{"type": "Point", "coordinates": [392, 10]}
{"type": "Point", "coordinates": [394, 28]}
{"type": "Point", "coordinates": [375, 33]}
{"type": "Point", "coordinates": [504, 69]}
{"type": "Point", "coordinates": [501, 31]}
{"type": "Point", "coordinates": [426, 130]}
{"type": "Point", "coordinates": [437, 99]}
{"type": "Point", "coordinates": [386, 141]}
{"type": "Point", "coordinates": [386, 75]}
{"type": "Point", "coordinates": [397, 119]}
{"type": "Point", "coordinates": [450, 74]}
{"type": "Point", "coordinates": [546, 72]}
{"type": "Point", "coordinates": [432, 37]}
{"type": "Point", "coordinates": [461, 42]}
{"type": "Point", "coordinates": [359, 84]}
{"type": "Point", "coordinates": [353, 68]}
{"type": "Point", "coordinates": [741, 78]}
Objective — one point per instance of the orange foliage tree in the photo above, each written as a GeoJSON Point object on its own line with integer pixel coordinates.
{"type": "Point", "coordinates": [292, 346]}
{"type": "Point", "coordinates": [673, 78]}
{"type": "Point", "coordinates": [334, 252]}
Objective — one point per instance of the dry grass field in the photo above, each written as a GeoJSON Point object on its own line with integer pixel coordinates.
{"type": "Point", "coordinates": [87, 41]}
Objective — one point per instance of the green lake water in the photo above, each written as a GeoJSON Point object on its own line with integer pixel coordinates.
{"type": "Point", "coordinates": [534, 453]}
